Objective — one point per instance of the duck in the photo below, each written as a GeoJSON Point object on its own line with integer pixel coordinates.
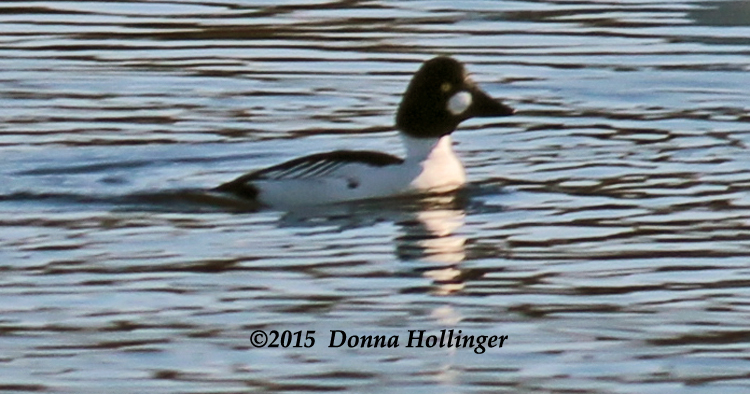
{"type": "Point", "coordinates": [440, 96]}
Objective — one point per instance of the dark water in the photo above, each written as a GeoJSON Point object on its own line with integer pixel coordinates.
{"type": "Point", "coordinates": [606, 230]}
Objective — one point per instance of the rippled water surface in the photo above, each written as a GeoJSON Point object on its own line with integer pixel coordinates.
{"type": "Point", "coordinates": [605, 232]}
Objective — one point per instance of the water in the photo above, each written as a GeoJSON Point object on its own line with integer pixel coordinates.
{"type": "Point", "coordinates": [604, 232]}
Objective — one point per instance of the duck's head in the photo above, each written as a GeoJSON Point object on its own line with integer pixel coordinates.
{"type": "Point", "coordinates": [440, 96]}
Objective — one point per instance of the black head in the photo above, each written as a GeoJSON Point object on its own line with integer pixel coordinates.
{"type": "Point", "coordinates": [440, 96]}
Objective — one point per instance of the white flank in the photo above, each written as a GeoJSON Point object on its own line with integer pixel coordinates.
{"type": "Point", "coordinates": [430, 165]}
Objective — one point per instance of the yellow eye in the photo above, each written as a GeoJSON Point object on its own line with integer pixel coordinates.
{"type": "Point", "coordinates": [446, 87]}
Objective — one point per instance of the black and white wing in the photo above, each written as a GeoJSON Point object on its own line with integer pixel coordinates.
{"type": "Point", "coordinates": [309, 167]}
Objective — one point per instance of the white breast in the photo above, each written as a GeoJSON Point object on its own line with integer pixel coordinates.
{"type": "Point", "coordinates": [441, 168]}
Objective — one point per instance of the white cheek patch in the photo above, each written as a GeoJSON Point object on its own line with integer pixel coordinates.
{"type": "Point", "coordinates": [459, 103]}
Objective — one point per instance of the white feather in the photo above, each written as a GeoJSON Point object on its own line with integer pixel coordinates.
{"type": "Point", "coordinates": [430, 165]}
{"type": "Point", "coordinates": [459, 102]}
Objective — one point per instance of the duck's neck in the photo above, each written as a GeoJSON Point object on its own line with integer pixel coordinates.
{"type": "Point", "coordinates": [422, 149]}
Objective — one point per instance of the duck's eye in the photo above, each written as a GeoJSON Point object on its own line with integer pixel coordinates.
{"type": "Point", "coordinates": [446, 87]}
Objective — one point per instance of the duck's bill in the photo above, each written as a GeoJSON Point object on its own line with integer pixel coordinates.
{"type": "Point", "coordinates": [485, 106]}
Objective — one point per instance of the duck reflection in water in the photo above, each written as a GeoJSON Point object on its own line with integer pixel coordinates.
{"type": "Point", "coordinates": [429, 241]}
{"type": "Point", "coordinates": [431, 238]}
